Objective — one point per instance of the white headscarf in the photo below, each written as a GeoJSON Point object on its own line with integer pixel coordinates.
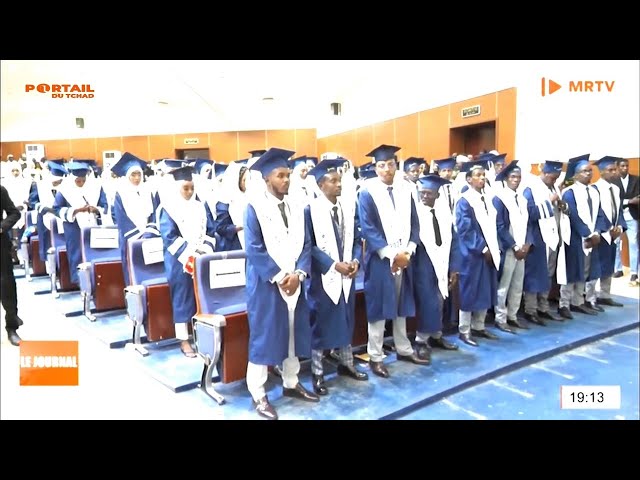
{"type": "Point", "coordinates": [136, 199]}
{"type": "Point", "coordinates": [189, 215]}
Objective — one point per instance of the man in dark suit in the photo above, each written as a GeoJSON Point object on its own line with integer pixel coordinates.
{"type": "Point", "coordinates": [10, 215]}
{"type": "Point", "coordinates": [630, 192]}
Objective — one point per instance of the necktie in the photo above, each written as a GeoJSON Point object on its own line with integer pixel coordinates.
{"type": "Point", "coordinates": [614, 210]}
{"type": "Point", "coordinates": [304, 189]}
{"type": "Point", "coordinates": [449, 197]}
{"type": "Point", "coordinates": [589, 202]}
{"type": "Point", "coordinates": [517, 204]}
{"type": "Point", "coordinates": [54, 191]}
{"type": "Point", "coordinates": [436, 227]}
{"type": "Point", "coordinates": [335, 216]}
{"type": "Point", "coordinates": [284, 215]}
{"type": "Point", "coordinates": [485, 204]}
{"type": "Point", "coordinates": [390, 189]}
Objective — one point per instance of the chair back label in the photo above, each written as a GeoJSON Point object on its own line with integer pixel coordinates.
{"type": "Point", "coordinates": [228, 272]}
{"type": "Point", "coordinates": [104, 238]}
{"type": "Point", "coordinates": [153, 251]}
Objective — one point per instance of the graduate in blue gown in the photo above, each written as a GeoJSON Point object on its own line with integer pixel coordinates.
{"type": "Point", "coordinates": [183, 227]}
{"type": "Point", "coordinates": [436, 265]}
{"type": "Point", "coordinates": [336, 253]}
{"type": "Point", "coordinates": [611, 227]}
{"type": "Point", "coordinates": [475, 219]}
{"type": "Point", "coordinates": [390, 227]}
{"type": "Point", "coordinates": [133, 206]}
{"type": "Point", "coordinates": [231, 207]}
{"type": "Point", "coordinates": [80, 202]}
{"type": "Point", "coordinates": [278, 263]}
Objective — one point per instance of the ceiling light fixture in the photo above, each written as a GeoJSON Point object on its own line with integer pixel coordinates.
{"type": "Point", "coordinates": [162, 102]}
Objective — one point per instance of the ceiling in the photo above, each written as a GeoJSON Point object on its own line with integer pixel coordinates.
{"type": "Point", "coordinates": [182, 96]}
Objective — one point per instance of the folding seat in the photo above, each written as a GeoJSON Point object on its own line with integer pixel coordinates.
{"type": "Point", "coordinates": [148, 299]}
{"type": "Point", "coordinates": [57, 264]}
{"type": "Point", "coordinates": [29, 249]}
{"type": "Point", "coordinates": [100, 273]}
{"type": "Point", "coordinates": [220, 288]}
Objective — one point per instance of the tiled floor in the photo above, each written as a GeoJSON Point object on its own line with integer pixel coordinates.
{"type": "Point", "coordinates": [113, 387]}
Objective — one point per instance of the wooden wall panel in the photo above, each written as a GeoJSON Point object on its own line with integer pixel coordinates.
{"type": "Point", "coordinates": [116, 143]}
{"type": "Point", "coordinates": [364, 144]}
{"type": "Point", "coordinates": [251, 140]}
{"type": "Point", "coordinates": [487, 110]}
{"type": "Point", "coordinates": [385, 133]}
{"type": "Point", "coordinates": [306, 141]}
{"type": "Point", "coordinates": [84, 148]}
{"type": "Point", "coordinates": [506, 122]}
{"type": "Point", "coordinates": [57, 149]}
{"type": "Point", "coordinates": [179, 141]}
{"type": "Point", "coordinates": [224, 147]}
{"type": "Point", "coordinates": [161, 146]}
{"type": "Point", "coordinates": [322, 146]}
{"type": "Point", "coordinates": [138, 146]}
{"type": "Point", "coordinates": [285, 139]}
{"type": "Point", "coordinates": [434, 133]}
{"type": "Point", "coordinates": [11, 148]}
{"type": "Point", "coordinates": [634, 166]}
{"type": "Point", "coordinates": [346, 145]}
{"type": "Point", "coordinates": [407, 134]}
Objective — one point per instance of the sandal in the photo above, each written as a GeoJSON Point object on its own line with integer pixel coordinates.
{"type": "Point", "coordinates": [187, 350]}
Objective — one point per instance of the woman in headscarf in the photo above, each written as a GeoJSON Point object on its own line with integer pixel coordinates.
{"type": "Point", "coordinates": [230, 209]}
{"type": "Point", "coordinates": [183, 227]}
{"type": "Point", "coordinates": [133, 209]}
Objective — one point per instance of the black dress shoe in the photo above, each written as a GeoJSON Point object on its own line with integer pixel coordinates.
{"type": "Point", "coordinates": [548, 316]}
{"type": "Point", "coordinates": [484, 333]}
{"type": "Point", "coordinates": [466, 338]}
{"type": "Point", "coordinates": [583, 309]}
{"type": "Point", "coordinates": [300, 392]}
{"type": "Point", "coordinates": [350, 371]}
{"type": "Point", "coordinates": [594, 306]}
{"type": "Point", "coordinates": [505, 328]}
{"type": "Point", "coordinates": [379, 369]}
{"type": "Point", "coordinates": [423, 351]}
{"type": "Point", "coordinates": [264, 409]}
{"type": "Point", "coordinates": [14, 338]}
{"type": "Point", "coordinates": [533, 318]}
{"type": "Point", "coordinates": [516, 323]}
{"type": "Point", "coordinates": [618, 274]}
{"type": "Point", "coordinates": [609, 301]}
{"type": "Point", "coordinates": [565, 313]}
{"type": "Point", "coordinates": [318, 385]}
{"type": "Point", "coordinates": [442, 343]}
{"type": "Point", "coordinates": [413, 358]}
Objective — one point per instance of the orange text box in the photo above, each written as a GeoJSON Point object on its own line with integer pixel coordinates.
{"type": "Point", "coordinates": [50, 363]}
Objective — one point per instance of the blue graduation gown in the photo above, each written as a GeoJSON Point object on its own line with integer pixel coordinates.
{"type": "Point", "coordinates": [503, 224]}
{"type": "Point", "coordinates": [478, 279]}
{"type": "Point", "coordinates": [266, 310]}
{"type": "Point", "coordinates": [379, 285]}
{"type": "Point", "coordinates": [127, 230]}
{"type": "Point", "coordinates": [536, 274]}
{"type": "Point", "coordinates": [226, 230]}
{"type": "Point", "coordinates": [573, 252]}
{"type": "Point", "coordinates": [331, 325]}
{"type": "Point", "coordinates": [72, 233]}
{"type": "Point", "coordinates": [429, 302]}
{"type": "Point", "coordinates": [183, 298]}
{"type": "Point", "coordinates": [606, 251]}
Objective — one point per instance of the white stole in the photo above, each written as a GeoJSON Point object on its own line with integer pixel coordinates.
{"type": "Point", "coordinates": [237, 207]}
{"type": "Point", "coordinates": [332, 281]}
{"type": "Point", "coordinates": [518, 213]}
{"type": "Point", "coordinates": [580, 195]}
{"type": "Point", "coordinates": [547, 223]}
{"type": "Point", "coordinates": [284, 245]}
{"type": "Point", "coordinates": [605, 203]}
{"type": "Point", "coordinates": [487, 222]}
{"type": "Point", "coordinates": [396, 222]}
{"type": "Point", "coordinates": [439, 255]}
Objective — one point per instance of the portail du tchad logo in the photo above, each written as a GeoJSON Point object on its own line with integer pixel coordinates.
{"type": "Point", "coordinates": [66, 90]}
{"type": "Point", "coordinates": [49, 363]}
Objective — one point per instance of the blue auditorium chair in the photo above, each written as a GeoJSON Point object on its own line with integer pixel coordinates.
{"type": "Point", "coordinates": [57, 264]}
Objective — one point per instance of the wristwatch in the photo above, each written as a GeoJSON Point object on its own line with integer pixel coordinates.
{"type": "Point", "coordinates": [301, 275]}
{"type": "Point", "coordinates": [516, 248]}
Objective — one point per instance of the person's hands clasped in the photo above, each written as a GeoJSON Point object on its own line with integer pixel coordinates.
{"type": "Point", "coordinates": [290, 284]}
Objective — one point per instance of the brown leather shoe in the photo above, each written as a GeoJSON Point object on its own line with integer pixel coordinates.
{"type": "Point", "coordinates": [264, 409]}
{"type": "Point", "coordinates": [352, 372]}
{"type": "Point", "coordinates": [484, 333]}
{"type": "Point", "coordinates": [609, 301]}
{"type": "Point", "coordinates": [466, 338]}
{"type": "Point", "coordinates": [301, 393]}
{"type": "Point", "coordinates": [379, 369]}
{"type": "Point", "coordinates": [442, 343]}
{"type": "Point", "coordinates": [505, 328]}
{"type": "Point", "coordinates": [413, 358]}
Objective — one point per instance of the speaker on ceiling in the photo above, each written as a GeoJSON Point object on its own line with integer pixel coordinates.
{"type": "Point", "coordinates": [336, 109]}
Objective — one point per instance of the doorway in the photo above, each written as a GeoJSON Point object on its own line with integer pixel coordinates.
{"type": "Point", "coordinates": [192, 153]}
{"type": "Point", "coordinates": [470, 140]}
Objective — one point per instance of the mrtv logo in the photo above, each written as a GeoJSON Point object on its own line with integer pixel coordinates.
{"type": "Point", "coordinates": [549, 87]}
{"type": "Point", "coordinates": [65, 90]}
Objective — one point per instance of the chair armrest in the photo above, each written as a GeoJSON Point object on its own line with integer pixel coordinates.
{"type": "Point", "coordinates": [213, 319]}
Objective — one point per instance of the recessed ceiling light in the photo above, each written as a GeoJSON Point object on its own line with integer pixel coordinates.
{"type": "Point", "coordinates": [162, 102]}
{"type": "Point", "coordinates": [267, 99]}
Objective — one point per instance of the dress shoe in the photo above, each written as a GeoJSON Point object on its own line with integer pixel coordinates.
{"type": "Point", "coordinates": [379, 369]}
{"type": "Point", "coordinates": [516, 323]}
{"type": "Point", "coordinates": [442, 343]}
{"type": "Point", "coordinates": [594, 306]}
{"type": "Point", "coordinates": [413, 358]}
{"type": "Point", "coordinates": [300, 392]}
{"type": "Point", "coordinates": [534, 318]}
{"type": "Point", "coordinates": [484, 333]}
{"type": "Point", "coordinates": [318, 384]}
{"type": "Point", "coordinates": [565, 313]}
{"type": "Point", "coordinates": [582, 309]}
{"type": "Point", "coordinates": [618, 274]}
{"type": "Point", "coordinates": [423, 351]}
{"type": "Point", "coordinates": [350, 371]}
{"type": "Point", "coordinates": [548, 316]}
{"type": "Point", "coordinates": [505, 328]}
{"type": "Point", "coordinates": [609, 301]}
{"type": "Point", "coordinates": [264, 409]}
{"type": "Point", "coordinates": [466, 338]}
{"type": "Point", "coordinates": [14, 338]}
